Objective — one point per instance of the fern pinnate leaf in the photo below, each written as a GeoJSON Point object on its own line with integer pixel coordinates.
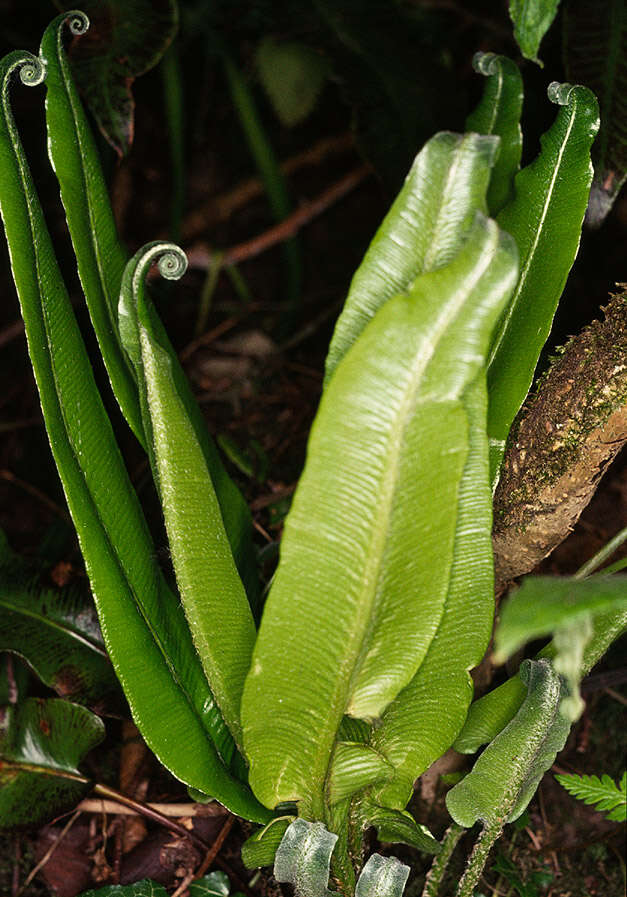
{"type": "Point", "coordinates": [603, 792]}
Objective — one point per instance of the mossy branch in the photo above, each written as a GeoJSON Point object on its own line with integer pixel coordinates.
{"type": "Point", "coordinates": [565, 437]}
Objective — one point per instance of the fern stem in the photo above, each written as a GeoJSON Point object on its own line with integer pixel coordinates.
{"type": "Point", "coordinates": [478, 858]}
{"type": "Point", "coordinates": [440, 863]}
{"type": "Point", "coordinates": [238, 283]}
{"type": "Point", "coordinates": [603, 555]}
{"type": "Point", "coordinates": [174, 113]}
{"type": "Point", "coordinates": [269, 171]}
{"type": "Point", "coordinates": [207, 292]}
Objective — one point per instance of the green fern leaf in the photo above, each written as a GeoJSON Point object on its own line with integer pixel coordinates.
{"type": "Point", "coordinates": [609, 797]}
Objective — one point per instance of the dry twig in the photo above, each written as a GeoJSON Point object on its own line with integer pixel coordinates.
{"type": "Point", "coordinates": [46, 857]}
{"type": "Point", "coordinates": [200, 256]}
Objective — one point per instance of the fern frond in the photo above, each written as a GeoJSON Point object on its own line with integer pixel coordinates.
{"type": "Point", "coordinates": [610, 798]}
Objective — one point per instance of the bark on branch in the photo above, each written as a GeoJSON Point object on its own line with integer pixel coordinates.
{"type": "Point", "coordinates": [565, 437]}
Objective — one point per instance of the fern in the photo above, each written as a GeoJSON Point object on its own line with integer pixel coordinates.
{"type": "Point", "coordinates": [609, 797]}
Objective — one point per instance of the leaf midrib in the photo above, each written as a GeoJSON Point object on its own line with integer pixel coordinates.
{"type": "Point", "coordinates": [434, 247]}
{"type": "Point", "coordinates": [54, 624]}
{"type": "Point", "coordinates": [513, 303]}
{"type": "Point", "coordinates": [379, 532]}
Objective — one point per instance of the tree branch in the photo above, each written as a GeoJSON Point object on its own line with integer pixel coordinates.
{"type": "Point", "coordinates": [566, 435]}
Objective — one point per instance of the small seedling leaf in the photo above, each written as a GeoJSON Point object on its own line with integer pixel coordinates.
{"type": "Point", "coordinates": [145, 888]}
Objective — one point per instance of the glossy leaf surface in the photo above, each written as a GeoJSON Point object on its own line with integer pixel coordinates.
{"type": "Point", "coordinates": [492, 712]}
{"type": "Point", "coordinates": [543, 604]}
{"type": "Point", "coordinates": [101, 260]}
{"type": "Point", "coordinates": [506, 775]}
{"type": "Point", "coordinates": [56, 631]}
{"type": "Point", "coordinates": [212, 593]}
{"type": "Point", "coordinates": [422, 231]}
{"type": "Point", "coordinates": [388, 539]}
{"type": "Point", "coordinates": [127, 38]}
{"type": "Point", "coordinates": [499, 113]}
{"type": "Point", "coordinates": [216, 884]}
{"type": "Point", "coordinates": [142, 623]}
{"type": "Point", "coordinates": [532, 19]}
{"type": "Point", "coordinates": [424, 720]}
{"type": "Point", "coordinates": [544, 217]}
{"type": "Point", "coordinates": [595, 52]}
{"type": "Point", "coordinates": [100, 255]}
{"type": "Point", "coordinates": [41, 744]}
